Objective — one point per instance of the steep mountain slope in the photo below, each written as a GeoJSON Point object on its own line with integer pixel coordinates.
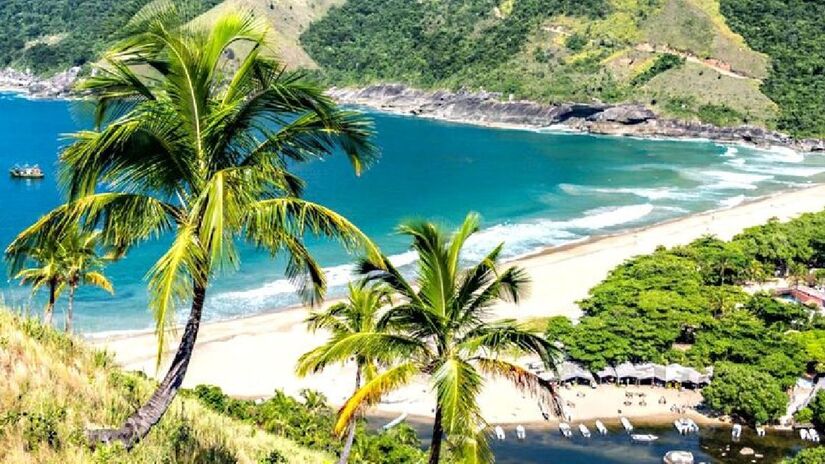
{"type": "Point", "coordinates": [288, 18]}
{"type": "Point", "coordinates": [52, 387]}
{"type": "Point", "coordinates": [51, 35]}
{"type": "Point", "coordinates": [678, 56]}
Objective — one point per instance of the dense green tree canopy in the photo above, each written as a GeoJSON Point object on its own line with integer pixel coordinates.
{"type": "Point", "coordinates": [745, 392]}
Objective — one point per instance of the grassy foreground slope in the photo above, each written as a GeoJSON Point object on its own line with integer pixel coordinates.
{"type": "Point", "coordinates": [552, 51]}
{"type": "Point", "coordinates": [52, 387]}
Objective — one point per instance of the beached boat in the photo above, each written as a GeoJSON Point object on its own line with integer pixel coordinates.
{"type": "Point", "coordinates": [521, 434]}
{"type": "Point", "coordinates": [27, 172]}
{"type": "Point", "coordinates": [601, 428]}
{"type": "Point", "coordinates": [736, 432]}
{"type": "Point", "coordinates": [678, 457]}
{"type": "Point", "coordinates": [565, 430]}
{"type": "Point", "coordinates": [644, 437]}
{"type": "Point", "coordinates": [685, 426]}
{"type": "Point", "coordinates": [760, 431]}
{"type": "Point", "coordinates": [813, 435]}
{"type": "Point", "coordinates": [584, 431]}
{"type": "Point", "coordinates": [395, 421]}
{"type": "Point", "coordinates": [803, 434]}
{"type": "Point", "coordinates": [499, 432]}
{"type": "Point", "coordinates": [626, 424]}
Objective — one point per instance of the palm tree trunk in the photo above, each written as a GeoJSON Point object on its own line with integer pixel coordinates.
{"type": "Point", "coordinates": [70, 308]}
{"type": "Point", "coordinates": [438, 434]}
{"type": "Point", "coordinates": [141, 422]}
{"type": "Point", "coordinates": [47, 315]}
{"type": "Point", "coordinates": [351, 435]}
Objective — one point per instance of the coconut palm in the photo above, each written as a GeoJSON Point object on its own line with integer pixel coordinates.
{"type": "Point", "coordinates": [192, 146]}
{"type": "Point", "coordinates": [441, 330]}
{"type": "Point", "coordinates": [82, 265]}
{"type": "Point", "coordinates": [47, 270]}
{"type": "Point", "coordinates": [357, 315]}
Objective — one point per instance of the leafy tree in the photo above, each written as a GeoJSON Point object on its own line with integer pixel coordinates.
{"type": "Point", "coordinates": [358, 315]}
{"type": "Point", "coordinates": [199, 150]}
{"type": "Point", "coordinates": [442, 332]}
{"type": "Point", "coordinates": [745, 392]}
{"type": "Point", "coordinates": [776, 243]}
{"type": "Point", "coordinates": [83, 265]}
{"type": "Point", "coordinates": [558, 328]}
{"type": "Point", "coordinates": [815, 455]}
{"type": "Point", "coordinates": [817, 406]}
{"type": "Point", "coordinates": [46, 271]}
{"type": "Point", "coordinates": [814, 343]}
{"type": "Point", "coordinates": [766, 307]}
{"type": "Point", "coordinates": [719, 262]}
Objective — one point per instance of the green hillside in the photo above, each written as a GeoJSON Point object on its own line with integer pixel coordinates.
{"type": "Point", "coordinates": [53, 387]}
{"type": "Point", "coordinates": [51, 35]}
{"type": "Point", "coordinates": [565, 50]}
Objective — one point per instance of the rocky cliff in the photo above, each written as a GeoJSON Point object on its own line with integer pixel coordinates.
{"type": "Point", "coordinates": [489, 108]}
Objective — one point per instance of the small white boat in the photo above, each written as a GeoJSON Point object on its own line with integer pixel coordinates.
{"type": "Point", "coordinates": [803, 434]}
{"type": "Point", "coordinates": [813, 435]}
{"type": "Point", "coordinates": [520, 432]}
{"type": "Point", "coordinates": [395, 421]}
{"type": "Point", "coordinates": [601, 428]}
{"type": "Point", "coordinates": [626, 424]}
{"type": "Point", "coordinates": [736, 431]}
{"type": "Point", "coordinates": [565, 430]}
{"type": "Point", "coordinates": [499, 432]}
{"type": "Point", "coordinates": [685, 426]}
{"type": "Point", "coordinates": [760, 431]}
{"type": "Point", "coordinates": [643, 437]}
{"type": "Point", "coordinates": [584, 431]}
{"type": "Point", "coordinates": [678, 457]}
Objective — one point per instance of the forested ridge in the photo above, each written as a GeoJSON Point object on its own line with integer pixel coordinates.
{"type": "Point", "coordinates": [48, 36]}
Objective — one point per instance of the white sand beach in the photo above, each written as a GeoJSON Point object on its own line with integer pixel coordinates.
{"type": "Point", "coordinates": [251, 357]}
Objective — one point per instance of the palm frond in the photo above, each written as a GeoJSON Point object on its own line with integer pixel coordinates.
{"type": "Point", "coordinates": [372, 392]}
{"type": "Point", "coordinates": [457, 385]}
{"type": "Point", "coordinates": [377, 346]}
{"type": "Point", "coordinates": [506, 336]}
{"type": "Point", "coordinates": [522, 379]}
{"type": "Point", "coordinates": [97, 279]}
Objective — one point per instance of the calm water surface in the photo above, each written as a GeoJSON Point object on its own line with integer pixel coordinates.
{"type": "Point", "coordinates": [533, 190]}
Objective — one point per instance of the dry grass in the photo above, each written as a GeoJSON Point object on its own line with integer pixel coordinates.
{"type": "Point", "coordinates": [53, 387]}
{"type": "Point", "coordinates": [287, 18]}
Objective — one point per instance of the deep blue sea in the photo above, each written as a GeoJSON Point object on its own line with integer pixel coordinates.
{"type": "Point", "coordinates": [533, 189]}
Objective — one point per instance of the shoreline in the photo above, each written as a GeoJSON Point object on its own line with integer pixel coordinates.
{"type": "Point", "coordinates": [487, 109]}
{"type": "Point", "coordinates": [252, 356]}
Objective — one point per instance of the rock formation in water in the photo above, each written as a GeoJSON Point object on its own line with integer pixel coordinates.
{"type": "Point", "coordinates": [597, 118]}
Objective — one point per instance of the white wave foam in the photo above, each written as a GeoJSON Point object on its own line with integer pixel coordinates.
{"type": "Point", "coordinates": [780, 154]}
{"type": "Point", "coordinates": [736, 162]}
{"type": "Point", "coordinates": [732, 201]}
{"type": "Point", "coordinates": [730, 151]}
{"type": "Point", "coordinates": [726, 180]}
{"type": "Point", "coordinates": [786, 171]}
{"type": "Point", "coordinates": [653, 193]}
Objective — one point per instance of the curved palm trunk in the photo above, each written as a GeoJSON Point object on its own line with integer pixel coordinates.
{"type": "Point", "coordinates": [438, 435]}
{"type": "Point", "coordinates": [141, 422]}
{"type": "Point", "coordinates": [351, 435]}
{"type": "Point", "coordinates": [47, 315]}
{"type": "Point", "coordinates": [70, 308]}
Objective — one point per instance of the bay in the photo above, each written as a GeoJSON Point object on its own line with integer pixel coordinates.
{"type": "Point", "coordinates": [533, 189]}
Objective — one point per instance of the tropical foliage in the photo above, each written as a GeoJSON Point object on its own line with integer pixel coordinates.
{"type": "Point", "coordinates": [308, 423]}
{"type": "Point", "coordinates": [192, 148]}
{"type": "Point", "coordinates": [745, 392]}
{"type": "Point", "coordinates": [358, 315]}
{"type": "Point", "coordinates": [441, 330]}
{"type": "Point", "coordinates": [686, 305]}
{"type": "Point", "coordinates": [49, 36]}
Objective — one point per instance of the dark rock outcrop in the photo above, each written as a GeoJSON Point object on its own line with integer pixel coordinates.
{"type": "Point", "coordinates": [488, 108]}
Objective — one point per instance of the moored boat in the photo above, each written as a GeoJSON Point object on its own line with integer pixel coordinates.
{"type": "Point", "coordinates": [643, 437]}
{"type": "Point", "coordinates": [565, 430]}
{"type": "Point", "coordinates": [27, 172]}
{"type": "Point", "coordinates": [584, 431]}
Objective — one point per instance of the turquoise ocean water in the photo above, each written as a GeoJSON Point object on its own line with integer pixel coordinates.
{"type": "Point", "coordinates": [533, 189]}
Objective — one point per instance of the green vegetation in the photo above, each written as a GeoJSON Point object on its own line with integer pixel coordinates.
{"type": "Point", "coordinates": [54, 386]}
{"type": "Point", "coordinates": [308, 423]}
{"type": "Point", "coordinates": [791, 33]}
{"type": "Point", "coordinates": [439, 330]}
{"type": "Point", "coordinates": [661, 64]}
{"type": "Point", "coordinates": [745, 392]}
{"type": "Point", "coordinates": [686, 305]}
{"type": "Point", "coordinates": [204, 162]}
{"type": "Point", "coordinates": [814, 455]}
{"type": "Point", "coordinates": [52, 35]}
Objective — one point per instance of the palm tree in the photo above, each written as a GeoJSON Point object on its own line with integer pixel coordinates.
{"type": "Point", "coordinates": [47, 271]}
{"type": "Point", "coordinates": [83, 265]}
{"type": "Point", "coordinates": [191, 147]}
{"type": "Point", "coordinates": [357, 315]}
{"type": "Point", "coordinates": [441, 331]}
